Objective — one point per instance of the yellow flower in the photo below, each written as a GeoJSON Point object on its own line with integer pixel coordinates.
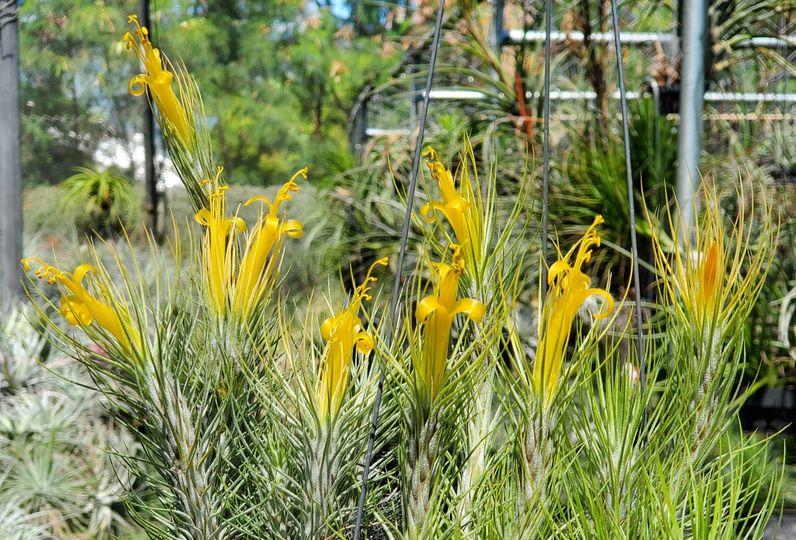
{"type": "Point", "coordinates": [265, 238]}
{"type": "Point", "coordinates": [460, 209]}
{"type": "Point", "coordinates": [343, 332]}
{"type": "Point", "coordinates": [80, 308]}
{"type": "Point", "coordinates": [437, 313]}
{"type": "Point", "coordinates": [569, 289]}
{"type": "Point", "coordinates": [218, 250]}
{"type": "Point", "coordinates": [158, 80]}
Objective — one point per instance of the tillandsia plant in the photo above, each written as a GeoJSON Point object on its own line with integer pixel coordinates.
{"type": "Point", "coordinates": [496, 424]}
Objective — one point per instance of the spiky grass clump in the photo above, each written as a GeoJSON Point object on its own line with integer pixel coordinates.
{"type": "Point", "coordinates": [58, 475]}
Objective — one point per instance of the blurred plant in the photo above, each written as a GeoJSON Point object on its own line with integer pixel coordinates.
{"type": "Point", "coordinates": [105, 199]}
{"type": "Point", "coordinates": [59, 476]}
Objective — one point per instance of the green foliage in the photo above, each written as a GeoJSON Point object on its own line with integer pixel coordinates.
{"type": "Point", "coordinates": [57, 475]}
{"type": "Point", "coordinates": [104, 199]}
{"type": "Point", "coordinates": [225, 404]}
{"type": "Point", "coordinates": [73, 91]}
{"type": "Point", "coordinates": [278, 82]}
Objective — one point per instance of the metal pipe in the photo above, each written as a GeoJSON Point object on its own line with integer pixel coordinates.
{"type": "Point", "coordinates": [692, 93]}
{"type": "Point", "coordinates": [150, 180]}
{"type": "Point", "coordinates": [548, 17]}
{"type": "Point", "coordinates": [519, 36]}
{"type": "Point", "coordinates": [398, 282]}
{"type": "Point", "coordinates": [563, 95]}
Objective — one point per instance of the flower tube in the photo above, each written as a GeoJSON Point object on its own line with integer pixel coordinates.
{"type": "Point", "coordinates": [437, 312]}
{"type": "Point", "coordinates": [343, 332]}
{"type": "Point", "coordinates": [569, 289]}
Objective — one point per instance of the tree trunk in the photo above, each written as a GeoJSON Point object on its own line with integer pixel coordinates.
{"type": "Point", "coordinates": [10, 167]}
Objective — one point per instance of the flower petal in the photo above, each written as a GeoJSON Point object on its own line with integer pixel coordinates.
{"type": "Point", "coordinates": [364, 343]}
{"type": "Point", "coordinates": [429, 211]}
{"type": "Point", "coordinates": [138, 85]}
{"type": "Point", "coordinates": [203, 216]}
{"type": "Point", "coordinates": [75, 311]}
{"type": "Point", "coordinates": [293, 228]}
{"type": "Point", "coordinates": [426, 307]}
{"type": "Point", "coordinates": [258, 198]}
{"type": "Point", "coordinates": [327, 328]}
{"type": "Point", "coordinates": [81, 271]}
{"type": "Point", "coordinates": [472, 308]}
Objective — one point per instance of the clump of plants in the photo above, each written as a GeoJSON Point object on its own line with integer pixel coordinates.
{"type": "Point", "coordinates": [57, 476]}
{"type": "Point", "coordinates": [105, 202]}
{"type": "Point", "coordinates": [254, 421]}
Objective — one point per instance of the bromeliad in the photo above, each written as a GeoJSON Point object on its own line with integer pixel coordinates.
{"type": "Point", "coordinates": [437, 312]}
{"type": "Point", "coordinates": [158, 80]}
{"type": "Point", "coordinates": [715, 272]}
{"type": "Point", "coordinates": [256, 268]}
{"type": "Point", "coordinates": [80, 308]}
{"type": "Point", "coordinates": [569, 289]}
{"type": "Point", "coordinates": [343, 332]}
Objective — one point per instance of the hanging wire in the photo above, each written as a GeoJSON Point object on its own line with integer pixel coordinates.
{"type": "Point", "coordinates": [548, 29]}
{"type": "Point", "coordinates": [630, 193]}
{"type": "Point", "coordinates": [396, 290]}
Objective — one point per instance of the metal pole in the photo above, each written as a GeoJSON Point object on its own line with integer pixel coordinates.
{"type": "Point", "coordinates": [398, 283]}
{"type": "Point", "coordinates": [548, 17]}
{"type": "Point", "coordinates": [150, 181]}
{"type": "Point", "coordinates": [692, 91]}
{"type": "Point", "coordinates": [10, 164]}
{"type": "Point", "coordinates": [631, 197]}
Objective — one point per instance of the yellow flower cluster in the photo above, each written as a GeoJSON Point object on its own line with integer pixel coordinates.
{"type": "Point", "coordinates": [80, 308]}
{"type": "Point", "coordinates": [459, 207]}
{"type": "Point", "coordinates": [715, 272]}
{"type": "Point", "coordinates": [243, 285]}
{"type": "Point", "coordinates": [569, 289]}
{"type": "Point", "coordinates": [437, 313]}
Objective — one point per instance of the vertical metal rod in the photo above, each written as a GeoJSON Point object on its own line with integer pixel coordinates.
{"type": "Point", "coordinates": [692, 90]}
{"type": "Point", "coordinates": [548, 24]}
{"type": "Point", "coordinates": [630, 191]}
{"type": "Point", "coordinates": [500, 32]}
{"type": "Point", "coordinates": [656, 128]}
{"type": "Point", "coordinates": [150, 182]}
{"type": "Point", "coordinates": [397, 284]}
{"type": "Point", "coordinates": [10, 160]}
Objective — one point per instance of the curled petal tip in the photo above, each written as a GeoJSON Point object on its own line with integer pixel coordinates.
{"type": "Point", "coordinates": [430, 153]}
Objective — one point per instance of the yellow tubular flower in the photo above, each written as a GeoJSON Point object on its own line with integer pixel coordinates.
{"type": "Point", "coordinates": [437, 313]}
{"type": "Point", "coordinates": [343, 332]}
{"type": "Point", "coordinates": [266, 237]}
{"type": "Point", "coordinates": [458, 208]}
{"type": "Point", "coordinates": [158, 80]}
{"type": "Point", "coordinates": [569, 289]}
{"type": "Point", "coordinates": [218, 261]}
{"type": "Point", "coordinates": [80, 308]}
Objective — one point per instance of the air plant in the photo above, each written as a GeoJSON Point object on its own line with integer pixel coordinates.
{"type": "Point", "coordinates": [254, 423]}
